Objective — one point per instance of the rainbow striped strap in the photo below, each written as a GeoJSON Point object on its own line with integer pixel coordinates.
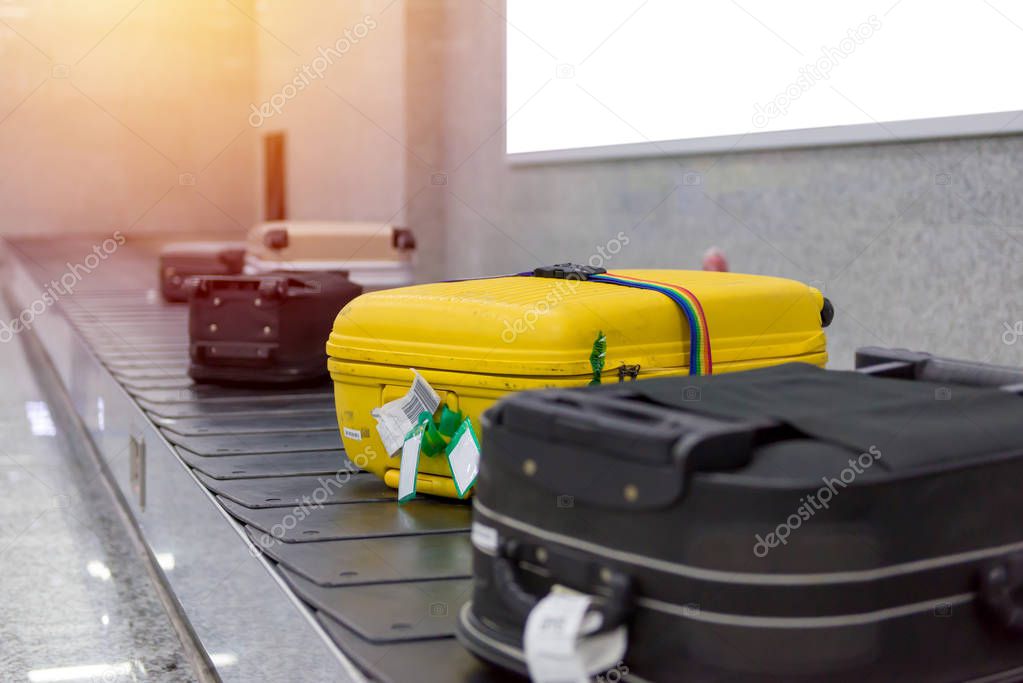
{"type": "Point", "coordinates": [700, 362]}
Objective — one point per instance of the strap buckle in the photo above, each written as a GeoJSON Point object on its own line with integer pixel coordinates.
{"type": "Point", "coordinates": [630, 371]}
{"type": "Point", "coordinates": [568, 271]}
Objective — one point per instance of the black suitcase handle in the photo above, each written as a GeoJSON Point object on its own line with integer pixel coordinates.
{"type": "Point", "coordinates": [613, 589]}
{"type": "Point", "coordinates": [585, 434]}
{"type": "Point", "coordinates": [915, 365]}
{"type": "Point", "coordinates": [630, 429]}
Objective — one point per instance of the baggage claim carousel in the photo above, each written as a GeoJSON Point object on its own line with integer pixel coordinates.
{"type": "Point", "coordinates": [276, 559]}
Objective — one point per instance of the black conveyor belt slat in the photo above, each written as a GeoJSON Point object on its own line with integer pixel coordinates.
{"type": "Point", "coordinates": [357, 520]}
{"type": "Point", "coordinates": [134, 385]}
{"type": "Point", "coordinates": [311, 421]}
{"type": "Point", "coordinates": [320, 463]}
{"type": "Point", "coordinates": [151, 371]}
{"type": "Point", "coordinates": [389, 612]}
{"type": "Point", "coordinates": [387, 559]}
{"type": "Point", "coordinates": [260, 407]}
{"type": "Point", "coordinates": [424, 661]}
{"type": "Point", "coordinates": [242, 444]}
{"type": "Point", "coordinates": [211, 392]}
{"type": "Point", "coordinates": [287, 492]}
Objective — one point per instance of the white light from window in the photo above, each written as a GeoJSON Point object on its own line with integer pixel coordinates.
{"type": "Point", "coordinates": [582, 73]}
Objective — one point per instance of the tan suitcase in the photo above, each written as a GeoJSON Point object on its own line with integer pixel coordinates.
{"type": "Point", "coordinates": [375, 256]}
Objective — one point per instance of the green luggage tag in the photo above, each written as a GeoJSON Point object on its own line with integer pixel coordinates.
{"type": "Point", "coordinates": [464, 458]}
{"type": "Point", "coordinates": [433, 442]}
{"type": "Point", "coordinates": [449, 421]}
{"type": "Point", "coordinates": [410, 451]}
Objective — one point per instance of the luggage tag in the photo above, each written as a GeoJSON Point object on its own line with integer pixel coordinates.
{"type": "Point", "coordinates": [556, 647]}
{"type": "Point", "coordinates": [449, 422]}
{"type": "Point", "coordinates": [395, 419]}
{"type": "Point", "coordinates": [464, 457]}
{"type": "Point", "coordinates": [433, 441]}
{"type": "Point", "coordinates": [410, 450]}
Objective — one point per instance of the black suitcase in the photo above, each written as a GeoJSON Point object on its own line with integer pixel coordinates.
{"type": "Point", "coordinates": [784, 524]}
{"type": "Point", "coordinates": [184, 260]}
{"type": "Point", "coordinates": [264, 329]}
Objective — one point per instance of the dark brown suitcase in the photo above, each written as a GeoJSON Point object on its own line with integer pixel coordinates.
{"type": "Point", "coordinates": [264, 329]}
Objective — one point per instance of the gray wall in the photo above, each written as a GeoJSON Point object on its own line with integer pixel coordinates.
{"type": "Point", "coordinates": [908, 258]}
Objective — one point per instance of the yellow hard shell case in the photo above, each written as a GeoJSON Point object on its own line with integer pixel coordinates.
{"type": "Point", "coordinates": [476, 340]}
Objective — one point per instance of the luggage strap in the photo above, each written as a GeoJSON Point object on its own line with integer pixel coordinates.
{"type": "Point", "coordinates": [914, 424]}
{"type": "Point", "coordinates": [700, 362]}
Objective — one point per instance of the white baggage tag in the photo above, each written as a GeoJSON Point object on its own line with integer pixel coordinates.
{"type": "Point", "coordinates": [396, 418]}
{"type": "Point", "coordinates": [556, 648]}
{"type": "Point", "coordinates": [409, 467]}
{"type": "Point", "coordinates": [464, 457]}
{"type": "Point", "coordinates": [390, 433]}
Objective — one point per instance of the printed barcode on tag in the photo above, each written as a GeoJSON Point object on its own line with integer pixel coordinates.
{"type": "Point", "coordinates": [412, 408]}
{"type": "Point", "coordinates": [425, 393]}
{"type": "Point", "coordinates": [421, 398]}
{"type": "Point", "coordinates": [395, 418]}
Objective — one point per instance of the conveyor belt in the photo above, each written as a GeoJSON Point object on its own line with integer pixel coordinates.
{"type": "Point", "coordinates": [386, 582]}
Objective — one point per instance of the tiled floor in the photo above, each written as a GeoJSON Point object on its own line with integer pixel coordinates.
{"type": "Point", "coordinates": [75, 601]}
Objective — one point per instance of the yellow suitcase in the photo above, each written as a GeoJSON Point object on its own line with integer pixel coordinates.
{"type": "Point", "coordinates": [477, 340]}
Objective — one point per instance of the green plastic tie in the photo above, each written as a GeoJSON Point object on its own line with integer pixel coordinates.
{"type": "Point", "coordinates": [598, 356]}
{"type": "Point", "coordinates": [449, 422]}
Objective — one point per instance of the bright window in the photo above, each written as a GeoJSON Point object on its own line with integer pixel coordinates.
{"type": "Point", "coordinates": [668, 76]}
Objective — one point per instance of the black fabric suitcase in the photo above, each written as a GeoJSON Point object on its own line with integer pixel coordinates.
{"type": "Point", "coordinates": [683, 506]}
{"type": "Point", "coordinates": [184, 260]}
{"type": "Point", "coordinates": [264, 329]}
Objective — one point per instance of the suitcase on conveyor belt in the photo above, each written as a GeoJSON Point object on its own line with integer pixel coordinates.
{"type": "Point", "coordinates": [785, 524]}
{"type": "Point", "coordinates": [474, 341]}
{"type": "Point", "coordinates": [263, 329]}
{"type": "Point", "coordinates": [375, 256]}
{"type": "Point", "coordinates": [183, 260]}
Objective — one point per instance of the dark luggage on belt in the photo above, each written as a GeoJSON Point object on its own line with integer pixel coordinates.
{"type": "Point", "coordinates": [784, 524]}
{"type": "Point", "coordinates": [183, 260]}
{"type": "Point", "coordinates": [264, 329]}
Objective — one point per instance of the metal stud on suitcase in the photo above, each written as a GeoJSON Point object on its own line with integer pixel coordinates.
{"type": "Point", "coordinates": [264, 329]}
{"type": "Point", "coordinates": [787, 523]}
